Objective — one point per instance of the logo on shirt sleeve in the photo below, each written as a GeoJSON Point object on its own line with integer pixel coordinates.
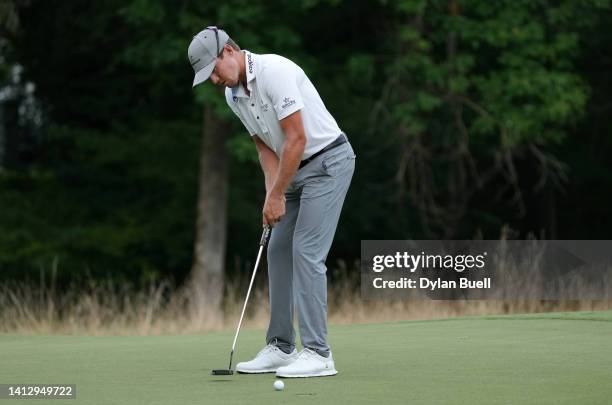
{"type": "Point", "coordinates": [287, 102]}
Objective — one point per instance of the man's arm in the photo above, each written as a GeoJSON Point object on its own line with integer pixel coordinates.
{"type": "Point", "coordinates": [268, 160]}
{"type": "Point", "coordinates": [291, 155]}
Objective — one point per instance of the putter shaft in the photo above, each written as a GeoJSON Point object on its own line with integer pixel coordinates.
{"type": "Point", "coordinates": [262, 243]}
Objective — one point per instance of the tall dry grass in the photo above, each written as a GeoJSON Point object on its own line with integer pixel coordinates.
{"type": "Point", "coordinates": [106, 307]}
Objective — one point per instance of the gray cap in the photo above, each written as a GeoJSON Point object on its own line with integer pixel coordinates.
{"type": "Point", "coordinates": [203, 52]}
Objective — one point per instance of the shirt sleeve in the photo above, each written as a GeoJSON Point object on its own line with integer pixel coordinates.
{"type": "Point", "coordinates": [232, 105]}
{"type": "Point", "coordinates": [281, 86]}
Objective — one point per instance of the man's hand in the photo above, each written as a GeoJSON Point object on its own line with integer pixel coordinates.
{"type": "Point", "coordinates": [274, 209]}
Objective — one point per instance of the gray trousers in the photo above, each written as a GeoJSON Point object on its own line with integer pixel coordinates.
{"type": "Point", "coordinates": [298, 249]}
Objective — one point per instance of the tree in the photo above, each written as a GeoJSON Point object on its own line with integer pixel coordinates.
{"type": "Point", "coordinates": [208, 270]}
{"type": "Point", "coordinates": [473, 87]}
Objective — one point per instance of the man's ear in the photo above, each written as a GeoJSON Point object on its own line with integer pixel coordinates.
{"type": "Point", "coordinates": [227, 48]}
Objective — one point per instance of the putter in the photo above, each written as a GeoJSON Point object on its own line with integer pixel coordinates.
{"type": "Point", "coordinates": [264, 240]}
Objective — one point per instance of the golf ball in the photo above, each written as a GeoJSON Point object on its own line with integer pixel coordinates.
{"type": "Point", "coordinates": [279, 385]}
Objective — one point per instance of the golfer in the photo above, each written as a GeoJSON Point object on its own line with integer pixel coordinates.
{"type": "Point", "coordinates": [308, 164]}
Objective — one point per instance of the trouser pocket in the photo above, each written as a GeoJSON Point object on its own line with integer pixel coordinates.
{"type": "Point", "coordinates": [336, 161]}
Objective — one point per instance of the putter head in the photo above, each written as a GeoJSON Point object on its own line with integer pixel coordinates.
{"type": "Point", "coordinates": [222, 372]}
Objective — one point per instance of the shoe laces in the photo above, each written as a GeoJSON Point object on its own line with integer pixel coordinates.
{"type": "Point", "coordinates": [306, 353]}
{"type": "Point", "coordinates": [267, 349]}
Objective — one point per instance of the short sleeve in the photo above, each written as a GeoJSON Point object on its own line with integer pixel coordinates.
{"type": "Point", "coordinates": [232, 105]}
{"type": "Point", "coordinates": [281, 86]}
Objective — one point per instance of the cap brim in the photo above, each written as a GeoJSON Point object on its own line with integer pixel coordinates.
{"type": "Point", "coordinates": [203, 74]}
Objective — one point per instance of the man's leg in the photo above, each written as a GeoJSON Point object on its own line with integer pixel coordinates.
{"type": "Point", "coordinates": [320, 206]}
{"type": "Point", "coordinates": [281, 335]}
{"type": "Point", "coordinates": [280, 277]}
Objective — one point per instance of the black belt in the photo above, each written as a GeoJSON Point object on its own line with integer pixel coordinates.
{"type": "Point", "coordinates": [341, 139]}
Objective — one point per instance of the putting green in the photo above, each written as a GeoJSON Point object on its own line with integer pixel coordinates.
{"type": "Point", "coordinates": [539, 359]}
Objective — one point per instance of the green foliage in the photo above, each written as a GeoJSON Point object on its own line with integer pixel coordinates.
{"type": "Point", "coordinates": [101, 204]}
{"type": "Point", "coordinates": [470, 82]}
{"type": "Point", "coordinates": [444, 101]}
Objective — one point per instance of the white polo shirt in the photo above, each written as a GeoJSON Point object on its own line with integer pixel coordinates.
{"type": "Point", "coordinates": [278, 88]}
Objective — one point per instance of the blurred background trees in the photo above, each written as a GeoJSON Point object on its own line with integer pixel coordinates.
{"type": "Point", "coordinates": [467, 116]}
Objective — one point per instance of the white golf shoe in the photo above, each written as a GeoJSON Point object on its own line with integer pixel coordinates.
{"type": "Point", "coordinates": [309, 364]}
{"type": "Point", "coordinates": [267, 360]}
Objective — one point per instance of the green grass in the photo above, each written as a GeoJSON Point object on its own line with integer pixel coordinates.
{"type": "Point", "coordinates": [539, 359]}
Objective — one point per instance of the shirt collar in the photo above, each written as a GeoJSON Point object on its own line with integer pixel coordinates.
{"type": "Point", "coordinates": [250, 59]}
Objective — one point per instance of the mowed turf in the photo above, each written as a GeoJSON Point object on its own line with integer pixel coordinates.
{"type": "Point", "coordinates": [536, 359]}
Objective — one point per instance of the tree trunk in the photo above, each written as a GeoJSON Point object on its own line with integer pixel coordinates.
{"type": "Point", "coordinates": [207, 273]}
{"type": "Point", "coordinates": [2, 137]}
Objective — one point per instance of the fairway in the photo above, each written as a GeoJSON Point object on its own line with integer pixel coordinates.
{"type": "Point", "coordinates": [540, 359]}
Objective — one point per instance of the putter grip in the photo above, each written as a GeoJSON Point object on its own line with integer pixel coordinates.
{"type": "Point", "coordinates": [265, 236]}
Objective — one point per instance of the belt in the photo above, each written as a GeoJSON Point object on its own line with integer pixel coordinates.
{"type": "Point", "coordinates": [341, 139]}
